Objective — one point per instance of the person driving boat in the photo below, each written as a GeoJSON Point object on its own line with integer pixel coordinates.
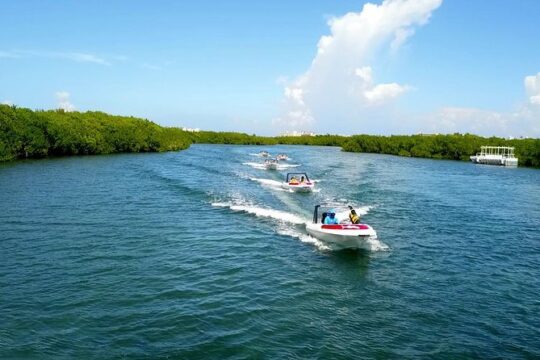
{"type": "Point", "coordinates": [331, 218]}
{"type": "Point", "coordinates": [294, 180]}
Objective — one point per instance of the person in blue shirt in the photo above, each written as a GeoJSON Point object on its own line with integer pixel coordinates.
{"type": "Point", "coordinates": [331, 218]}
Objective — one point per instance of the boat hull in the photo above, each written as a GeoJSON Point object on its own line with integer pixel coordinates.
{"type": "Point", "coordinates": [270, 166]}
{"type": "Point", "coordinates": [304, 188]}
{"type": "Point", "coordinates": [347, 236]}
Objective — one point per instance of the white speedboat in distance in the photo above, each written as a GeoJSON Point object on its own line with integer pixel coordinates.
{"type": "Point", "coordinates": [298, 182]}
{"type": "Point", "coordinates": [343, 235]}
{"type": "Point", "coordinates": [271, 164]}
{"type": "Point", "coordinates": [264, 154]}
{"type": "Point", "coordinates": [282, 157]}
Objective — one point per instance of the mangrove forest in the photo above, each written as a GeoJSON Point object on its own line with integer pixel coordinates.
{"type": "Point", "coordinates": [25, 133]}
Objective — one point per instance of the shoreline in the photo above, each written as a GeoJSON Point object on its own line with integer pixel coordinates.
{"type": "Point", "coordinates": [28, 134]}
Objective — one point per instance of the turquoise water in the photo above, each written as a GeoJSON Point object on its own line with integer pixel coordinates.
{"type": "Point", "coordinates": [197, 255]}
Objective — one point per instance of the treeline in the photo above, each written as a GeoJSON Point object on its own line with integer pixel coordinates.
{"type": "Point", "coordinates": [452, 147]}
{"type": "Point", "coordinates": [233, 138]}
{"type": "Point", "coordinates": [212, 137]}
{"type": "Point", "coordinates": [34, 134]}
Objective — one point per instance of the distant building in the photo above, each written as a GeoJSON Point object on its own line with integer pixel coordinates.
{"type": "Point", "coordinates": [298, 133]}
{"type": "Point", "coordinates": [191, 130]}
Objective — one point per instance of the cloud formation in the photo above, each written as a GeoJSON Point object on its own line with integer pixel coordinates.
{"type": "Point", "coordinates": [73, 56]}
{"type": "Point", "coordinates": [340, 81]}
{"type": "Point", "coordinates": [64, 102]}
{"type": "Point", "coordinates": [532, 87]}
{"type": "Point", "coordinates": [524, 121]}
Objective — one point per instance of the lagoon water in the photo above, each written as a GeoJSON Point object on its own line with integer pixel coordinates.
{"type": "Point", "coordinates": [196, 254]}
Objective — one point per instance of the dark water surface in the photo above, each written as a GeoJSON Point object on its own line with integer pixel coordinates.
{"type": "Point", "coordinates": [197, 255]}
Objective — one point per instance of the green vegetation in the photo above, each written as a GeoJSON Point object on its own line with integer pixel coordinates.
{"type": "Point", "coordinates": [452, 147]}
{"type": "Point", "coordinates": [33, 134]}
{"type": "Point", "coordinates": [212, 137]}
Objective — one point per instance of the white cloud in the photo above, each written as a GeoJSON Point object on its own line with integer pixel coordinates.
{"type": "Point", "coordinates": [522, 122]}
{"type": "Point", "coordinates": [73, 56]}
{"type": "Point", "coordinates": [339, 82]}
{"type": "Point", "coordinates": [383, 92]}
{"type": "Point", "coordinates": [64, 102]}
{"type": "Point", "coordinates": [400, 38]}
{"type": "Point", "coordinates": [7, 102]}
{"type": "Point", "coordinates": [376, 94]}
{"type": "Point", "coordinates": [82, 57]}
{"type": "Point", "coordinates": [476, 121]}
{"type": "Point", "coordinates": [532, 87]}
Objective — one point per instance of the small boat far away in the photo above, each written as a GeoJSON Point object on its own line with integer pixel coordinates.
{"type": "Point", "coordinates": [298, 182]}
{"type": "Point", "coordinates": [264, 154]}
{"type": "Point", "coordinates": [347, 233]}
{"type": "Point", "coordinates": [271, 164]}
{"type": "Point", "coordinates": [282, 157]}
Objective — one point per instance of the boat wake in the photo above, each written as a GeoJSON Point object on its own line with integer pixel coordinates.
{"type": "Point", "coordinates": [294, 226]}
{"type": "Point", "coordinates": [281, 216]}
{"type": "Point", "coordinates": [303, 237]}
{"type": "Point", "coordinates": [276, 185]}
{"type": "Point", "coordinates": [261, 166]}
{"type": "Point", "coordinates": [261, 156]}
{"type": "Point", "coordinates": [269, 183]}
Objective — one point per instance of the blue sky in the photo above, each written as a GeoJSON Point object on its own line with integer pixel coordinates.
{"type": "Point", "coordinates": [260, 67]}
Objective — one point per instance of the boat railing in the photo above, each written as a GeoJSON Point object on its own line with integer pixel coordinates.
{"type": "Point", "coordinates": [502, 151]}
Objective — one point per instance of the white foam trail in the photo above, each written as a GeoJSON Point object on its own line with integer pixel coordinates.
{"type": "Point", "coordinates": [261, 166]}
{"type": "Point", "coordinates": [374, 244]}
{"type": "Point", "coordinates": [242, 175]}
{"type": "Point", "coordinates": [287, 166]}
{"type": "Point", "coordinates": [255, 165]}
{"type": "Point", "coordinates": [287, 220]}
{"type": "Point", "coordinates": [262, 212]}
{"type": "Point", "coordinates": [267, 182]}
{"type": "Point", "coordinates": [305, 238]}
{"type": "Point", "coordinates": [273, 184]}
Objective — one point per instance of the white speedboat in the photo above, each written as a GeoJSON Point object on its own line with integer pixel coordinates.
{"type": "Point", "coordinates": [282, 157]}
{"type": "Point", "coordinates": [343, 235]}
{"type": "Point", "coordinates": [298, 182]}
{"type": "Point", "coordinates": [264, 154]}
{"type": "Point", "coordinates": [271, 164]}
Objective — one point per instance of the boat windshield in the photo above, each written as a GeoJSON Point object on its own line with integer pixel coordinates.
{"type": "Point", "coordinates": [297, 178]}
{"type": "Point", "coordinates": [344, 215]}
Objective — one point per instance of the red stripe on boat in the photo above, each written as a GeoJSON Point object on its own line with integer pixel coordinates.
{"type": "Point", "coordinates": [346, 227]}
